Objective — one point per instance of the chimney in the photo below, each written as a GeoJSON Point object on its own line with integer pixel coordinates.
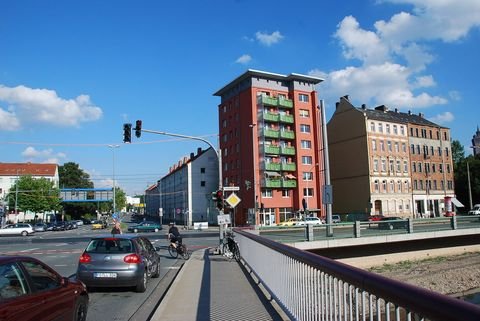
{"type": "Point", "coordinates": [336, 105]}
{"type": "Point", "coordinates": [346, 97]}
{"type": "Point", "coordinates": [421, 115]}
{"type": "Point", "coordinates": [199, 150]}
{"type": "Point", "coordinates": [192, 155]}
{"type": "Point", "coordinates": [396, 110]}
{"type": "Point", "coordinates": [409, 112]}
{"type": "Point", "coordinates": [364, 106]}
{"type": "Point", "coordinates": [382, 108]}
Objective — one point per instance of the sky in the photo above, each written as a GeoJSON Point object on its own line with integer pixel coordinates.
{"type": "Point", "coordinates": [73, 72]}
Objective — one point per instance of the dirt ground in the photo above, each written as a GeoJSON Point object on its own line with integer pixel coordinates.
{"type": "Point", "coordinates": [453, 275]}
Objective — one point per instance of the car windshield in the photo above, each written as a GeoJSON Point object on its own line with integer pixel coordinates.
{"type": "Point", "coordinates": [109, 245]}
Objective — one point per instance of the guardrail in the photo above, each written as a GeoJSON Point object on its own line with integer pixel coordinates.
{"type": "Point", "coordinates": [311, 287]}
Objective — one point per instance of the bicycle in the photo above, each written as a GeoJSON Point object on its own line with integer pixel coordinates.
{"type": "Point", "coordinates": [179, 249]}
{"type": "Point", "coordinates": [230, 247]}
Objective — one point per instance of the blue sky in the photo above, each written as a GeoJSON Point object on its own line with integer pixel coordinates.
{"type": "Point", "coordinates": [72, 72]}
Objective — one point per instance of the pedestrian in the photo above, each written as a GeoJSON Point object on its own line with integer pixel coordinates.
{"type": "Point", "coordinates": [116, 228]}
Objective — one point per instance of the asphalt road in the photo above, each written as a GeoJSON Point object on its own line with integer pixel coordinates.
{"type": "Point", "coordinates": [61, 251]}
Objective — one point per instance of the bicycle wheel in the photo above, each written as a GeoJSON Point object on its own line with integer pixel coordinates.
{"type": "Point", "coordinates": [185, 252]}
{"type": "Point", "coordinates": [226, 251]}
{"type": "Point", "coordinates": [173, 251]}
{"type": "Point", "coordinates": [236, 252]}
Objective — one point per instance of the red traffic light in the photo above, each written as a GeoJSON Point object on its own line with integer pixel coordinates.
{"type": "Point", "coordinates": [138, 128]}
{"type": "Point", "coordinates": [219, 194]}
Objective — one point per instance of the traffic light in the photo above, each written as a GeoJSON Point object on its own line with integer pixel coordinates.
{"type": "Point", "coordinates": [214, 196]}
{"type": "Point", "coordinates": [127, 133]}
{"type": "Point", "coordinates": [219, 200]}
{"type": "Point", "coordinates": [138, 128]}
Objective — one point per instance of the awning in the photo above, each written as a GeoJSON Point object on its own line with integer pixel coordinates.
{"type": "Point", "coordinates": [272, 174]}
{"type": "Point", "coordinates": [290, 176]}
{"type": "Point", "coordinates": [457, 202]}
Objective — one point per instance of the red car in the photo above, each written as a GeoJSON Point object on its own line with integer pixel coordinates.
{"type": "Point", "coordinates": [375, 218]}
{"type": "Point", "coordinates": [31, 290]}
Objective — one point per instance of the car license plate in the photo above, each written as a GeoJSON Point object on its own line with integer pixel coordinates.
{"type": "Point", "coordinates": [104, 275]}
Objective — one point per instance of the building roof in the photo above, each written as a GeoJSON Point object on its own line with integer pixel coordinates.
{"type": "Point", "coordinates": [257, 73]}
{"type": "Point", "coordinates": [20, 169]}
{"type": "Point", "coordinates": [382, 113]}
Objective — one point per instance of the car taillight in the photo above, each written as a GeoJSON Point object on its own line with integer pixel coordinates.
{"type": "Point", "coordinates": [85, 258]}
{"type": "Point", "coordinates": [132, 258]}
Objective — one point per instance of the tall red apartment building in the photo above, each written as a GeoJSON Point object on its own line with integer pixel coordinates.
{"type": "Point", "coordinates": [271, 146]}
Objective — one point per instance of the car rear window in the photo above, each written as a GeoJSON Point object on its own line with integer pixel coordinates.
{"type": "Point", "coordinates": [109, 245]}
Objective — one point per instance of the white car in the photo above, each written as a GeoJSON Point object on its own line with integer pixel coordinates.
{"type": "Point", "coordinates": [310, 220]}
{"type": "Point", "coordinates": [22, 229]}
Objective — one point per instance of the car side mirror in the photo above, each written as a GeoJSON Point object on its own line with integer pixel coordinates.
{"type": "Point", "coordinates": [64, 281]}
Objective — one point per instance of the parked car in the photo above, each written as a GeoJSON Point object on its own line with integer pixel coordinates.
{"type": "Point", "coordinates": [22, 229]}
{"type": "Point", "coordinates": [289, 222]}
{"type": "Point", "coordinates": [86, 221]}
{"type": "Point", "coordinates": [475, 210]}
{"type": "Point", "coordinates": [375, 218]}
{"type": "Point", "coordinates": [310, 220]}
{"type": "Point", "coordinates": [146, 226]}
{"type": "Point", "coordinates": [392, 222]}
{"type": "Point", "coordinates": [79, 222]}
{"type": "Point", "coordinates": [31, 290]}
{"type": "Point", "coordinates": [50, 226]}
{"type": "Point", "coordinates": [40, 227]}
{"type": "Point", "coordinates": [336, 218]}
{"type": "Point", "coordinates": [60, 226]}
{"type": "Point", "coordinates": [72, 225]}
{"type": "Point", "coordinates": [98, 225]}
{"type": "Point", "coordinates": [132, 260]}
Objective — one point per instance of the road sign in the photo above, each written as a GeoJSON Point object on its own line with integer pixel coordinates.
{"type": "Point", "coordinates": [231, 188]}
{"type": "Point", "coordinates": [327, 194]}
{"type": "Point", "coordinates": [224, 219]}
{"type": "Point", "coordinates": [233, 200]}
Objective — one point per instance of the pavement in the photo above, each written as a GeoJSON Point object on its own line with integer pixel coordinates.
{"type": "Point", "coordinates": [212, 287]}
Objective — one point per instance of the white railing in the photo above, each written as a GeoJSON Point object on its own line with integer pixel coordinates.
{"type": "Point", "coordinates": [310, 287]}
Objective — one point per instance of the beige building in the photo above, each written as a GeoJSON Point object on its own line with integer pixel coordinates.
{"type": "Point", "coordinates": [372, 168]}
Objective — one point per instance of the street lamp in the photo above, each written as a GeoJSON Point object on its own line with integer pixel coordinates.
{"type": "Point", "coordinates": [114, 191]}
{"type": "Point", "coordinates": [252, 126]}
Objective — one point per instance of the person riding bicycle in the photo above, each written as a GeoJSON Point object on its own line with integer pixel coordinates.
{"type": "Point", "coordinates": [174, 235]}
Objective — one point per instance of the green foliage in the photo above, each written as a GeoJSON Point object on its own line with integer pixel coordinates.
{"type": "Point", "coordinates": [72, 176]}
{"type": "Point", "coordinates": [461, 175]}
{"type": "Point", "coordinates": [37, 195]}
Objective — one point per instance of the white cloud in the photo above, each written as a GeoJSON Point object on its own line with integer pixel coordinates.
{"type": "Point", "coordinates": [268, 39]}
{"type": "Point", "coordinates": [43, 106]}
{"type": "Point", "coordinates": [244, 59]}
{"type": "Point", "coordinates": [43, 156]}
{"type": "Point", "coordinates": [455, 95]}
{"type": "Point", "coordinates": [8, 121]}
{"type": "Point", "coordinates": [443, 118]}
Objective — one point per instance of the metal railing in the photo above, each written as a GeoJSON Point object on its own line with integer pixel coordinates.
{"type": "Point", "coordinates": [311, 287]}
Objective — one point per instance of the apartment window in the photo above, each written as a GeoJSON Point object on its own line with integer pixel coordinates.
{"type": "Point", "coordinates": [405, 166]}
{"type": "Point", "coordinates": [372, 127]}
{"type": "Point", "coordinates": [389, 144]}
{"type": "Point", "coordinates": [414, 167]}
{"type": "Point", "coordinates": [375, 165]}
{"type": "Point", "coordinates": [306, 144]}
{"type": "Point", "coordinates": [202, 183]}
{"type": "Point", "coordinates": [412, 147]}
{"type": "Point", "coordinates": [399, 186]}
{"type": "Point", "coordinates": [418, 149]}
{"type": "Point", "coordinates": [439, 151]}
{"type": "Point", "coordinates": [404, 147]}
{"type": "Point", "coordinates": [416, 132]}
{"type": "Point", "coordinates": [435, 187]}
{"type": "Point", "coordinates": [380, 127]}
{"type": "Point", "coordinates": [202, 170]}
{"type": "Point", "coordinates": [445, 135]}
{"type": "Point", "coordinates": [448, 168]}
{"type": "Point", "coordinates": [392, 166]}
{"type": "Point", "coordinates": [382, 145]}
{"type": "Point", "coordinates": [225, 152]}
{"type": "Point", "coordinates": [285, 193]}
{"type": "Point", "coordinates": [397, 147]}
{"type": "Point", "coordinates": [402, 131]}
{"type": "Point", "coordinates": [304, 128]}
{"type": "Point", "coordinates": [432, 151]}
{"type": "Point", "coordinates": [308, 192]}
{"type": "Point", "coordinates": [387, 128]}
{"type": "Point", "coordinates": [304, 113]}
{"type": "Point", "coordinates": [225, 138]}
{"type": "Point", "coordinates": [419, 167]}
{"type": "Point", "coordinates": [446, 151]}
{"type": "Point", "coordinates": [303, 98]}
{"type": "Point", "coordinates": [421, 184]}
{"type": "Point", "coordinates": [434, 168]}
{"type": "Point", "coordinates": [376, 186]}
{"type": "Point", "coordinates": [374, 144]}
{"type": "Point", "coordinates": [449, 183]}
{"type": "Point", "coordinates": [425, 150]}
{"type": "Point", "coordinates": [384, 165]}
{"type": "Point", "coordinates": [411, 132]}
{"type": "Point", "coordinates": [399, 166]}
{"type": "Point", "coordinates": [267, 193]}
{"type": "Point", "coordinates": [427, 167]}
{"type": "Point", "coordinates": [224, 123]}
{"type": "Point", "coordinates": [442, 184]}
{"type": "Point", "coordinates": [384, 186]}
{"type": "Point", "coordinates": [395, 129]}
{"type": "Point", "coordinates": [415, 184]}
{"type": "Point", "coordinates": [440, 168]}
{"type": "Point", "coordinates": [307, 160]}
{"type": "Point", "coordinates": [307, 176]}
{"type": "Point", "coordinates": [392, 186]}
{"type": "Point", "coordinates": [406, 186]}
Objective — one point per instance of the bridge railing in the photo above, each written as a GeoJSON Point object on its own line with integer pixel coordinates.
{"type": "Point", "coordinates": [311, 287]}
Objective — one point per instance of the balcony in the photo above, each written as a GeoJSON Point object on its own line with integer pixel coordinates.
{"type": "Point", "coordinates": [271, 133]}
{"type": "Point", "coordinates": [287, 150]}
{"type": "Point", "coordinates": [285, 103]}
{"type": "Point", "coordinates": [289, 183]}
{"type": "Point", "coordinates": [272, 183]}
{"type": "Point", "coordinates": [266, 100]}
{"type": "Point", "coordinates": [287, 134]}
{"type": "Point", "coordinates": [288, 167]}
{"type": "Point", "coordinates": [273, 166]}
{"type": "Point", "coordinates": [275, 150]}
{"type": "Point", "coordinates": [286, 119]}
{"type": "Point", "coordinates": [271, 117]}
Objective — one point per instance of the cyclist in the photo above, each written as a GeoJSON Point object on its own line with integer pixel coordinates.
{"type": "Point", "coordinates": [174, 235]}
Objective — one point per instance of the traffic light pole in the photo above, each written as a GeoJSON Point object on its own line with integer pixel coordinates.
{"type": "Point", "coordinates": [219, 157]}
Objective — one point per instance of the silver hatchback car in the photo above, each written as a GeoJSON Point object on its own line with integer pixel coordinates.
{"type": "Point", "coordinates": [123, 260]}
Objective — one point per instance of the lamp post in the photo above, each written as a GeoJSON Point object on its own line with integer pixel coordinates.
{"type": "Point", "coordinates": [306, 185]}
{"type": "Point", "coordinates": [252, 126]}
{"type": "Point", "coordinates": [114, 191]}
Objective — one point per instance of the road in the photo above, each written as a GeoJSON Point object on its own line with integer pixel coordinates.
{"type": "Point", "coordinates": [61, 251]}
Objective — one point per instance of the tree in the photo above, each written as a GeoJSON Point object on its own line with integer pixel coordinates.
{"type": "Point", "coordinates": [38, 195]}
{"type": "Point", "coordinates": [120, 201]}
{"type": "Point", "coordinates": [458, 153]}
{"type": "Point", "coordinates": [460, 163]}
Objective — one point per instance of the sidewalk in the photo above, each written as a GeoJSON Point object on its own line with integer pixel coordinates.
{"type": "Point", "coordinates": [210, 287]}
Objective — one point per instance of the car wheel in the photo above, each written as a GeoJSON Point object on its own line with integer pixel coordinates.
{"type": "Point", "coordinates": [81, 309]}
{"type": "Point", "coordinates": [156, 272]}
{"type": "Point", "coordinates": [142, 286]}
{"type": "Point", "coordinates": [135, 230]}
{"type": "Point", "coordinates": [24, 233]}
